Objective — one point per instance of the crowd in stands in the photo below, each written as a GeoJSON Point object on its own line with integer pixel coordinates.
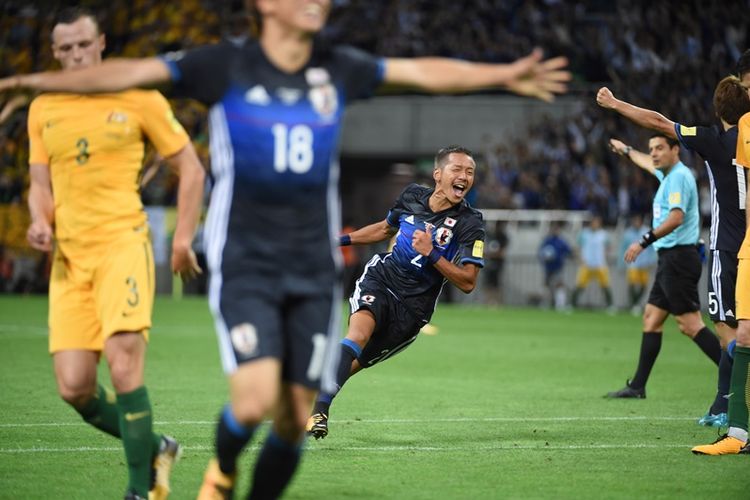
{"type": "Point", "coordinates": [651, 53]}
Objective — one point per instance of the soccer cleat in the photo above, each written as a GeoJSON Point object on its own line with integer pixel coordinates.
{"type": "Point", "coordinates": [216, 485]}
{"type": "Point", "coordinates": [628, 392]}
{"type": "Point", "coordinates": [169, 453]}
{"type": "Point", "coordinates": [711, 420]}
{"type": "Point", "coordinates": [132, 495]}
{"type": "Point", "coordinates": [745, 449]}
{"type": "Point", "coordinates": [317, 425]}
{"type": "Point", "coordinates": [725, 445]}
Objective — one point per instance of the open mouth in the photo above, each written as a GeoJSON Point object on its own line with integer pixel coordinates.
{"type": "Point", "coordinates": [459, 189]}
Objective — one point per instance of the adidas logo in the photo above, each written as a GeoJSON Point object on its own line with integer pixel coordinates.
{"type": "Point", "coordinates": [729, 313]}
{"type": "Point", "coordinates": [258, 95]}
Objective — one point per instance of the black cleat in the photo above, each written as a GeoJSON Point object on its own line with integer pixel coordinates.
{"type": "Point", "coordinates": [628, 392]}
{"type": "Point", "coordinates": [132, 495]}
{"type": "Point", "coordinates": [317, 425]}
{"type": "Point", "coordinates": [745, 449]}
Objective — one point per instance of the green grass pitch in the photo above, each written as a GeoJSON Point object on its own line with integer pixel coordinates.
{"type": "Point", "coordinates": [502, 403]}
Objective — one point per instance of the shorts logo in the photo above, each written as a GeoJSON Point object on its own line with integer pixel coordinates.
{"type": "Point", "coordinates": [244, 338]}
{"type": "Point", "coordinates": [443, 236]}
{"type": "Point", "coordinates": [368, 299]}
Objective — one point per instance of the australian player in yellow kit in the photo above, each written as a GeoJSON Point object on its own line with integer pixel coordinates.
{"type": "Point", "coordinates": [85, 159]}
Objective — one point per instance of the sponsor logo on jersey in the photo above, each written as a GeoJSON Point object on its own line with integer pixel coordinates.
{"type": "Point", "coordinates": [288, 96]}
{"type": "Point", "coordinates": [449, 222]}
{"type": "Point", "coordinates": [478, 250]}
{"type": "Point", "coordinates": [324, 100]}
{"type": "Point", "coordinates": [244, 338]}
{"type": "Point", "coordinates": [409, 219]}
{"type": "Point", "coordinates": [443, 236]}
{"type": "Point", "coordinates": [258, 95]}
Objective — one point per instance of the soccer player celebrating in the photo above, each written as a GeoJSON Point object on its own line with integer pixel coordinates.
{"type": "Point", "coordinates": [674, 235]}
{"type": "Point", "coordinates": [439, 238]}
{"type": "Point", "coordinates": [276, 108]}
{"type": "Point", "coordinates": [735, 440]}
{"type": "Point", "coordinates": [85, 156]}
{"type": "Point", "coordinates": [717, 147]}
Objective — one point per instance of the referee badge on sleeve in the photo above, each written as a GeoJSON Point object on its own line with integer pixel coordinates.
{"type": "Point", "coordinates": [675, 198]}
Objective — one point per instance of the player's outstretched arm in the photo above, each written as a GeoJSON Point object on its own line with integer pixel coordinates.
{"type": "Point", "coordinates": [189, 205]}
{"type": "Point", "coordinates": [644, 117]}
{"type": "Point", "coordinates": [113, 75]}
{"type": "Point", "coordinates": [641, 159]}
{"type": "Point", "coordinates": [374, 233]}
{"type": "Point", "coordinates": [529, 76]}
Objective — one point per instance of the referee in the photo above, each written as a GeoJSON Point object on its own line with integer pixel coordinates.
{"type": "Point", "coordinates": [675, 237]}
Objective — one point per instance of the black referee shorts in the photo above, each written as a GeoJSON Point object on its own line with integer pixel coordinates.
{"type": "Point", "coordinates": [676, 284]}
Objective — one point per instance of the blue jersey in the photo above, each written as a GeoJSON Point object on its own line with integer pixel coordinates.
{"type": "Point", "coordinates": [457, 234]}
{"type": "Point", "coordinates": [552, 252]}
{"type": "Point", "coordinates": [728, 183]}
{"type": "Point", "coordinates": [274, 147]}
{"type": "Point", "coordinates": [677, 190]}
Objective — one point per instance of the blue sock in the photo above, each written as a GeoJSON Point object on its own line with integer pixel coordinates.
{"type": "Point", "coordinates": [231, 438]}
{"type": "Point", "coordinates": [275, 467]}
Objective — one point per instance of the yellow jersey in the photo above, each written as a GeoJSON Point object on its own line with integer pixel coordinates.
{"type": "Point", "coordinates": [743, 160]}
{"type": "Point", "coordinates": [94, 147]}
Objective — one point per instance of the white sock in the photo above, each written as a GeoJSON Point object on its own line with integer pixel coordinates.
{"type": "Point", "coordinates": [738, 433]}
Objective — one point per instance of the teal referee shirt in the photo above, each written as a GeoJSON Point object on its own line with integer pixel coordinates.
{"type": "Point", "coordinates": [677, 189]}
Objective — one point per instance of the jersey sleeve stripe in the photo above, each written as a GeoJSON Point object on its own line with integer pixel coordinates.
{"type": "Point", "coordinates": [174, 70]}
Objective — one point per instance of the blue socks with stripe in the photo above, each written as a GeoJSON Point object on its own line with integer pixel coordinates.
{"type": "Point", "coordinates": [349, 352]}
{"type": "Point", "coordinates": [231, 438]}
{"type": "Point", "coordinates": [277, 462]}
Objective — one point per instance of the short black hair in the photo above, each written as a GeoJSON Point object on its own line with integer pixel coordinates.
{"type": "Point", "coordinates": [444, 152]}
{"type": "Point", "coordinates": [743, 64]}
{"type": "Point", "coordinates": [69, 15]}
{"type": "Point", "coordinates": [671, 141]}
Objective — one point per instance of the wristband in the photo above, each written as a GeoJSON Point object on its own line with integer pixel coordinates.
{"type": "Point", "coordinates": [433, 256]}
{"type": "Point", "coordinates": [345, 240]}
{"type": "Point", "coordinates": [647, 239]}
{"type": "Point", "coordinates": [627, 150]}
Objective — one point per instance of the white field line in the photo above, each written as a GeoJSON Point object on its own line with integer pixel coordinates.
{"type": "Point", "coordinates": [406, 448]}
{"type": "Point", "coordinates": [395, 421]}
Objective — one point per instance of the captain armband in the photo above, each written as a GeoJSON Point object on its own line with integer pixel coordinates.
{"type": "Point", "coordinates": [647, 239]}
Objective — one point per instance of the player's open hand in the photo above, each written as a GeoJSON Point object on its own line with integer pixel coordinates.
{"type": "Point", "coordinates": [605, 98]}
{"type": "Point", "coordinates": [421, 241]}
{"type": "Point", "coordinates": [632, 252]}
{"type": "Point", "coordinates": [184, 261]}
{"type": "Point", "coordinates": [538, 78]}
{"type": "Point", "coordinates": [39, 236]}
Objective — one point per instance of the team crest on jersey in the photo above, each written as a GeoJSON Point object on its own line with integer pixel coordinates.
{"type": "Point", "coordinates": [449, 222]}
{"type": "Point", "coordinates": [244, 338]}
{"type": "Point", "coordinates": [324, 100]}
{"type": "Point", "coordinates": [316, 77]}
{"type": "Point", "coordinates": [368, 299]}
{"type": "Point", "coordinates": [258, 95]}
{"type": "Point", "coordinates": [117, 117]}
{"type": "Point", "coordinates": [443, 236]}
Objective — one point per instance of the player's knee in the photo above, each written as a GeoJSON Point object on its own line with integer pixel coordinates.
{"type": "Point", "coordinates": [743, 334]}
{"type": "Point", "coordinates": [250, 413]}
{"type": "Point", "coordinates": [76, 394]}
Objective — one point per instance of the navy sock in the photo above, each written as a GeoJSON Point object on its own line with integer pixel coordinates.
{"type": "Point", "coordinates": [721, 403]}
{"type": "Point", "coordinates": [650, 347]}
{"type": "Point", "coordinates": [709, 344]}
{"type": "Point", "coordinates": [349, 352]}
{"type": "Point", "coordinates": [275, 467]}
{"type": "Point", "coordinates": [231, 438]}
